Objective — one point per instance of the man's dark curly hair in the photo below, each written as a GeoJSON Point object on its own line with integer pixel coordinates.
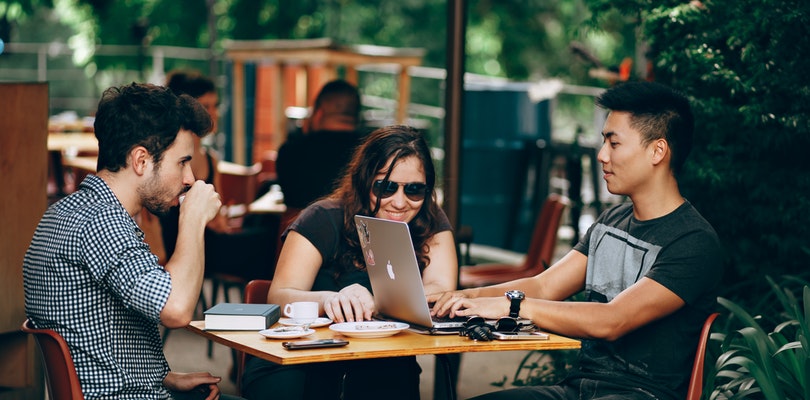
{"type": "Point", "coordinates": [145, 115]}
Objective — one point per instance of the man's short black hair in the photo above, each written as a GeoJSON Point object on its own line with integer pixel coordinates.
{"type": "Point", "coordinates": [657, 111]}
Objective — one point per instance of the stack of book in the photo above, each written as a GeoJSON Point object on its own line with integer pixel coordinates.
{"type": "Point", "coordinates": [241, 317]}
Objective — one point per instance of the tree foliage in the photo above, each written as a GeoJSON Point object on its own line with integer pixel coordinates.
{"type": "Point", "coordinates": [511, 38]}
{"type": "Point", "coordinates": [16, 10]}
{"type": "Point", "coordinates": [744, 63]}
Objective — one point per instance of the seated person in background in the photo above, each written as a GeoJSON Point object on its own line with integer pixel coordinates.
{"type": "Point", "coordinates": [204, 163]}
{"type": "Point", "coordinates": [649, 268]}
{"type": "Point", "coordinates": [238, 251]}
{"type": "Point", "coordinates": [308, 165]}
{"type": "Point", "coordinates": [88, 274]}
{"type": "Point", "coordinates": [390, 176]}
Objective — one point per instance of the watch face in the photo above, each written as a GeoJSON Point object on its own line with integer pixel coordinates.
{"type": "Point", "coordinates": [515, 295]}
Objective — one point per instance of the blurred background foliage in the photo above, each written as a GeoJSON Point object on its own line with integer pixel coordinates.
{"type": "Point", "coordinates": [744, 63]}
{"type": "Point", "coordinates": [508, 38]}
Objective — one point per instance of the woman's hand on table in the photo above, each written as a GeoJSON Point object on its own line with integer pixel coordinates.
{"type": "Point", "coordinates": [352, 303]}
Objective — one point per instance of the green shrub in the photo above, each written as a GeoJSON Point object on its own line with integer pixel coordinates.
{"type": "Point", "coordinates": [764, 357]}
{"type": "Point", "coordinates": [744, 64]}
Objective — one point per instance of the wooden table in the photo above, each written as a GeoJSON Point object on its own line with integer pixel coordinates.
{"type": "Point", "coordinates": [405, 343]}
{"type": "Point", "coordinates": [64, 146]}
{"type": "Point", "coordinates": [76, 142]}
{"type": "Point", "coordinates": [86, 164]}
{"type": "Point", "coordinates": [269, 203]}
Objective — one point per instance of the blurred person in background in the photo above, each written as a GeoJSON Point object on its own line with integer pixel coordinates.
{"type": "Point", "coordinates": [204, 162]}
{"type": "Point", "coordinates": [309, 164]}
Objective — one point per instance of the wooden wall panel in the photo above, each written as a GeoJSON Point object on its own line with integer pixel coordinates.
{"type": "Point", "coordinates": [23, 179]}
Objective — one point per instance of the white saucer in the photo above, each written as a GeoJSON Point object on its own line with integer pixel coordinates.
{"type": "Point", "coordinates": [286, 333]}
{"type": "Point", "coordinates": [317, 324]}
{"type": "Point", "coordinates": [369, 329]}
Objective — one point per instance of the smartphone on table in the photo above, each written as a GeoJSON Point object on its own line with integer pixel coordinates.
{"type": "Point", "coordinates": [519, 335]}
{"type": "Point", "coordinates": [314, 344]}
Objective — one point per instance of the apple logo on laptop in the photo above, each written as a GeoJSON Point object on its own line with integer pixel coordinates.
{"type": "Point", "coordinates": [390, 269]}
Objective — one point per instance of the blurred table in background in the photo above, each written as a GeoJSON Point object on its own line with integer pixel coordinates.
{"type": "Point", "coordinates": [63, 147]}
{"type": "Point", "coordinates": [73, 142]}
{"type": "Point", "coordinates": [271, 202]}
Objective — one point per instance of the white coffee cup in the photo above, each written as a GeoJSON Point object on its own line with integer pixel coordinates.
{"type": "Point", "coordinates": [302, 312]}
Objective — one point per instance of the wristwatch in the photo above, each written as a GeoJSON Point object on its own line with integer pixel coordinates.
{"type": "Point", "coordinates": [515, 296]}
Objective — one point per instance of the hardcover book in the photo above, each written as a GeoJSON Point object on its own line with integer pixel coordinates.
{"type": "Point", "coordinates": [241, 316]}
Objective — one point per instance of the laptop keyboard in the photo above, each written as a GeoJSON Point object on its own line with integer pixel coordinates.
{"type": "Point", "coordinates": [447, 318]}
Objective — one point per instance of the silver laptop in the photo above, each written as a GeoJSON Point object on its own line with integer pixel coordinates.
{"type": "Point", "coordinates": [395, 276]}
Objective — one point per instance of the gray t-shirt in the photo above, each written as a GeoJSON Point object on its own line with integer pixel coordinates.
{"type": "Point", "coordinates": [680, 251]}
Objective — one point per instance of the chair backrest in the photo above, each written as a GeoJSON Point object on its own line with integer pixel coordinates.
{"type": "Point", "coordinates": [544, 235]}
{"type": "Point", "coordinates": [238, 183]}
{"type": "Point", "coordinates": [255, 293]}
{"type": "Point", "coordinates": [268, 172]}
{"type": "Point", "coordinates": [63, 382]}
{"type": "Point", "coordinates": [696, 381]}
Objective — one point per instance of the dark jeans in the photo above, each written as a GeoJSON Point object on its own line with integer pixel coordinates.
{"type": "Point", "coordinates": [573, 389]}
{"type": "Point", "coordinates": [382, 378]}
{"type": "Point", "coordinates": [199, 395]}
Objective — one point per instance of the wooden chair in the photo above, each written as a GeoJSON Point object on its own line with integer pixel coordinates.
{"type": "Point", "coordinates": [696, 381]}
{"type": "Point", "coordinates": [267, 175]}
{"type": "Point", "coordinates": [255, 293]}
{"type": "Point", "coordinates": [538, 258]}
{"type": "Point", "coordinates": [62, 380]}
{"type": "Point", "coordinates": [237, 186]}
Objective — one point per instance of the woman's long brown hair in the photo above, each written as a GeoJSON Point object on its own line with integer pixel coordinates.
{"type": "Point", "coordinates": [395, 142]}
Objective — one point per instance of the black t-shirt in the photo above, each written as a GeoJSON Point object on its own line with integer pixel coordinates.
{"type": "Point", "coordinates": [308, 165]}
{"type": "Point", "coordinates": [680, 251]}
{"type": "Point", "coordinates": [322, 224]}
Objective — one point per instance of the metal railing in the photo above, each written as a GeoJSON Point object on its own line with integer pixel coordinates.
{"type": "Point", "coordinates": [77, 87]}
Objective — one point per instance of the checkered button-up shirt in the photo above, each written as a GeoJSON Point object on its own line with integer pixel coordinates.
{"type": "Point", "coordinates": [89, 275]}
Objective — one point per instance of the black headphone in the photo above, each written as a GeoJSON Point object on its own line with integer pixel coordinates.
{"type": "Point", "coordinates": [477, 332]}
{"type": "Point", "coordinates": [477, 328]}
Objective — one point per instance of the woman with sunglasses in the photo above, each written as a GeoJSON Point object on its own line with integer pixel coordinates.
{"type": "Point", "coordinates": [390, 176]}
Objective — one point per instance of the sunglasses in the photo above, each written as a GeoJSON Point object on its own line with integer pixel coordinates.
{"type": "Point", "coordinates": [385, 189]}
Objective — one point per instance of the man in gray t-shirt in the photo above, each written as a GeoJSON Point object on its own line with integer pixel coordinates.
{"type": "Point", "coordinates": [649, 269]}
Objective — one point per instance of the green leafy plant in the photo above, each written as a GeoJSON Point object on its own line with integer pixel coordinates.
{"type": "Point", "coordinates": [542, 368]}
{"type": "Point", "coordinates": [761, 362]}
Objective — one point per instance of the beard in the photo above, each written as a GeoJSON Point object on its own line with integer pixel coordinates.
{"type": "Point", "coordinates": [155, 197]}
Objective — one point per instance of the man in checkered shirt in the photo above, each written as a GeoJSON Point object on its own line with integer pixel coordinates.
{"type": "Point", "coordinates": [88, 273]}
